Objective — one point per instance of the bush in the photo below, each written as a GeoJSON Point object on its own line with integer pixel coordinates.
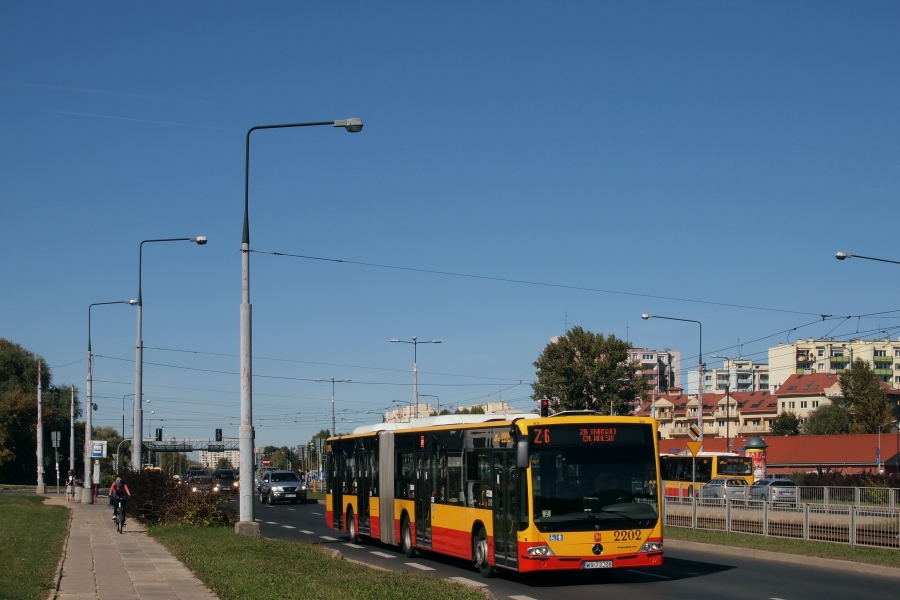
{"type": "Point", "coordinates": [157, 499]}
{"type": "Point", "coordinates": [839, 479]}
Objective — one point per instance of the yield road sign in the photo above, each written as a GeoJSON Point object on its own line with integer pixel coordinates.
{"type": "Point", "coordinates": [694, 447]}
{"type": "Point", "coordinates": [694, 432]}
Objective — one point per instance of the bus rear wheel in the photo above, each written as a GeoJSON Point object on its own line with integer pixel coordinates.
{"type": "Point", "coordinates": [480, 554]}
{"type": "Point", "coordinates": [406, 538]}
{"type": "Point", "coordinates": [352, 533]}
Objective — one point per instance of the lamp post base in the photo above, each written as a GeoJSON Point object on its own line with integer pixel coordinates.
{"type": "Point", "coordinates": [248, 528]}
{"type": "Point", "coordinates": [87, 496]}
{"type": "Point", "coordinates": [41, 488]}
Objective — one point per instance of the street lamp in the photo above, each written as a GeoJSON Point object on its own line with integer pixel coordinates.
{"type": "Point", "coordinates": [438, 401]}
{"type": "Point", "coordinates": [138, 426]}
{"type": "Point", "coordinates": [845, 255]}
{"type": "Point", "coordinates": [88, 493]}
{"type": "Point", "coordinates": [333, 381]}
{"type": "Point", "coordinates": [415, 342]}
{"type": "Point", "coordinates": [247, 524]}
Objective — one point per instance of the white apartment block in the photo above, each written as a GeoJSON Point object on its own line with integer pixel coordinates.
{"type": "Point", "coordinates": [209, 460]}
{"type": "Point", "coordinates": [830, 356]}
{"type": "Point", "coordinates": [661, 368]}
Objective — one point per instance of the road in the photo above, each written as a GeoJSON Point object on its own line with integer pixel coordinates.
{"type": "Point", "coordinates": [685, 575]}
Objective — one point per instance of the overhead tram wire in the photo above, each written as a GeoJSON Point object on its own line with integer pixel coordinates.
{"type": "Point", "coordinates": [533, 283]}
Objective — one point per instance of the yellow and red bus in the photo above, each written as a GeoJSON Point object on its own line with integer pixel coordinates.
{"type": "Point", "coordinates": [675, 471]}
{"type": "Point", "coordinates": [518, 492]}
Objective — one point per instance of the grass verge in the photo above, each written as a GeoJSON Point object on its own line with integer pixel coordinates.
{"type": "Point", "coordinates": [872, 556]}
{"type": "Point", "coordinates": [238, 567]}
{"type": "Point", "coordinates": [32, 541]}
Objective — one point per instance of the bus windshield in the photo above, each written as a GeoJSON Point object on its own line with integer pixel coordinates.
{"type": "Point", "coordinates": [596, 488]}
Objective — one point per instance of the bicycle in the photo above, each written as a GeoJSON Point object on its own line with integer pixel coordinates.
{"type": "Point", "coordinates": [120, 514]}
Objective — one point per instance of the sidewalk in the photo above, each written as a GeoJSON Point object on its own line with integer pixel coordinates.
{"type": "Point", "coordinates": [101, 563]}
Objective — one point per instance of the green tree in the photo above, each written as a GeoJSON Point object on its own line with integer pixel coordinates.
{"type": "Point", "coordinates": [588, 371]}
{"type": "Point", "coordinates": [866, 399]}
{"type": "Point", "coordinates": [787, 423]}
{"type": "Point", "coordinates": [223, 463]}
{"type": "Point", "coordinates": [829, 419]}
{"type": "Point", "coordinates": [18, 417]}
{"type": "Point", "coordinates": [474, 410]}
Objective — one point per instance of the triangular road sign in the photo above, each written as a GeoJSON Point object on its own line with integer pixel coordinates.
{"type": "Point", "coordinates": [694, 447]}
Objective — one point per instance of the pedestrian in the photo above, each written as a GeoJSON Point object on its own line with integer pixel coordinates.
{"type": "Point", "coordinates": [70, 486]}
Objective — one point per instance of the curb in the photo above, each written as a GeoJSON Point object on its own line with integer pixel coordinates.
{"type": "Point", "coordinates": [58, 577]}
{"type": "Point", "coordinates": [844, 565]}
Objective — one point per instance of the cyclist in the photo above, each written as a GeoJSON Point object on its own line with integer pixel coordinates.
{"type": "Point", "coordinates": [118, 490]}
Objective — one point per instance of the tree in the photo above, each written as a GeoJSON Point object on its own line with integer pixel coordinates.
{"type": "Point", "coordinates": [588, 371]}
{"type": "Point", "coordinates": [474, 410]}
{"type": "Point", "coordinates": [787, 423]}
{"type": "Point", "coordinates": [223, 463]}
{"type": "Point", "coordinates": [828, 419]}
{"type": "Point", "coordinates": [866, 399]}
{"type": "Point", "coordinates": [18, 416]}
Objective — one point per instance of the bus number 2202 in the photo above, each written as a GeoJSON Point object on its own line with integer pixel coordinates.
{"type": "Point", "coordinates": [626, 535]}
{"type": "Point", "coordinates": [541, 436]}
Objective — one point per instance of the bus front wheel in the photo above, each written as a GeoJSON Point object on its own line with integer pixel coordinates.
{"type": "Point", "coordinates": [351, 527]}
{"type": "Point", "coordinates": [480, 553]}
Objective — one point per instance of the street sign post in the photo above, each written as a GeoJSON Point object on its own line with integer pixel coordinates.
{"type": "Point", "coordinates": [54, 437]}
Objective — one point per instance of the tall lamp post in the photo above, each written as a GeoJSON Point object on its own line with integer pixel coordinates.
{"type": "Point", "coordinates": [137, 447]}
{"type": "Point", "coordinates": [415, 342]}
{"type": "Point", "coordinates": [333, 381]}
{"type": "Point", "coordinates": [88, 492]}
{"type": "Point", "coordinates": [436, 398]}
{"type": "Point", "coordinates": [246, 524]}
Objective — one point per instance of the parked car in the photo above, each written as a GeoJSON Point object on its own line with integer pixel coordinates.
{"type": "Point", "coordinates": [773, 490]}
{"type": "Point", "coordinates": [224, 481]}
{"type": "Point", "coordinates": [719, 488]}
{"type": "Point", "coordinates": [282, 485]}
{"type": "Point", "coordinates": [261, 474]}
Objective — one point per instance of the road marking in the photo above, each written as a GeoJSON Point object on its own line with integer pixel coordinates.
{"type": "Point", "coordinates": [289, 527]}
{"type": "Point", "coordinates": [330, 539]}
{"type": "Point", "coordinates": [521, 598]}
{"type": "Point", "coordinates": [382, 554]}
{"type": "Point", "coordinates": [468, 582]}
{"type": "Point", "coordinates": [271, 523]}
{"type": "Point", "coordinates": [309, 532]}
{"type": "Point", "coordinates": [293, 509]}
{"type": "Point", "coordinates": [320, 514]}
{"type": "Point", "coordinates": [420, 567]}
{"type": "Point", "coordinates": [258, 520]}
{"type": "Point", "coordinates": [649, 574]}
{"type": "Point", "coordinates": [354, 545]}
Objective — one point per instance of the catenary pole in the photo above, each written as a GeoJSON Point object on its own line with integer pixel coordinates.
{"type": "Point", "coordinates": [41, 488]}
{"type": "Point", "coordinates": [72, 430]}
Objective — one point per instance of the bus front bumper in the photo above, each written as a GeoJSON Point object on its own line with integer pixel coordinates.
{"type": "Point", "coordinates": [529, 563]}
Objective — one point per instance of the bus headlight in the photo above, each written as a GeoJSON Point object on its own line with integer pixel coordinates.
{"type": "Point", "coordinates": [540, 551]}
{"type": "Point", "coordinates": [652, 547]}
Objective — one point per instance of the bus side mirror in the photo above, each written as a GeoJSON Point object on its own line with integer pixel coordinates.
{"type": "Point", "coordinates": [522, 454]}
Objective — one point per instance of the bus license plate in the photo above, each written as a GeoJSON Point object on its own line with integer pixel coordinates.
{"type": "Point", "coordinates": [290, 495]}
{"type": "Point", "coordinates": [598, 564]}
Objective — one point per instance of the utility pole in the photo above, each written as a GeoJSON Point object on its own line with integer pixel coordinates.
{"type": "Point", "coordinates": [72, 431]}
{"type": "Point", "coordinates": [41, 488]}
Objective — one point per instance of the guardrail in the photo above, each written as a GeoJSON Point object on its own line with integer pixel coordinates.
{"type": "Point", "coordinates": [851, 524]}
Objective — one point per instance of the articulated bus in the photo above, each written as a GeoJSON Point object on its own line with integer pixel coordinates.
{"type": "Point", "coordinates": [520, 492]}
{"type": "Point", "coordinates": [675, 471]}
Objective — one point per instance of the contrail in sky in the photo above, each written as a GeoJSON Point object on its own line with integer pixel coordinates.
{"type": "Point", "coordinates": [60, 88]}
{"type": "Point", "coordinates": [63, 112]}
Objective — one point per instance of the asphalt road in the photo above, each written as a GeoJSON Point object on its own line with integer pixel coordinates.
{"type": "Point", "coordinates": [685, 574]}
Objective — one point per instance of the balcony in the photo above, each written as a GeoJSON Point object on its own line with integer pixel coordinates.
{"type": "Point", "coordinates": [884, 371]}
{"type": "Point", "coordinates": [840, 359]}
{"type": "Point", "coordinates": [753, 429]}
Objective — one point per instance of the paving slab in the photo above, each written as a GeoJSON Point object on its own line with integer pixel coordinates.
{"type": "Point", "coordinates": [99, 563]}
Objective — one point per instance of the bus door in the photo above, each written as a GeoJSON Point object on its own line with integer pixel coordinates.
{"type": "Point", "coordinates": [424, 497]}
{"type": "Point", "coordinates": [363, 488]}
{"type": "Point", "coordinates": [335, 488]}
{"type": "Point", "coordinates": [505, 477]}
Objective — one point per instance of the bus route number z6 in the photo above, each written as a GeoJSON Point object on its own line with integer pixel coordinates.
{"type": "Point", "coordinates": [626, 535]}
{"type": "Point", "coordinates": [541, 436]}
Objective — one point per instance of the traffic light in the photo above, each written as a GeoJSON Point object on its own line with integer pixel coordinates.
{"type": "Point", "coordinates": [158, 434]}
{"type": "Point", "coordinates": [545, 408]}
{"type": "Point", "coordinates": [218, 435]}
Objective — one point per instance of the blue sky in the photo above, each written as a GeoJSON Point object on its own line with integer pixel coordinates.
{"type": "Point", "coordinates": [720, 152]}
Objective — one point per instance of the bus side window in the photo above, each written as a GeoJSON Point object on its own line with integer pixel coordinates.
{"type": "Point", "coordinates": [454, 478]}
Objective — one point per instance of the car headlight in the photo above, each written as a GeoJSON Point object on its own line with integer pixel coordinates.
{"type": "Point", "coordinates": [652, 547]}
{"type": "Point", "coordinates": [235, 484]}
{"type": "Point", "coordinates": [216, 489]}
{"type": "Point", "coordinates": [540, 551]}
{"type": "Point", "coordinates": [276, 488]}
{"type": "Point", "coordinates": [194, 489]}
{"type": "Point", "coordinates": [302, 488]}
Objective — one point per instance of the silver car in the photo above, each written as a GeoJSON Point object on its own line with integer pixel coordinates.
{"type": "Point", "coordinates": [719, 488]}
{"type": "Point", "coordinates": [282, 485]}
{"type": "Point", "coordinates": [776, 491]}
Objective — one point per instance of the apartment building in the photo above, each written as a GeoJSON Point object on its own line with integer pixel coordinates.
{"type": "Point", "coordinates": [724, 415]}
{"type": "Point", "coordinates": [659, 367]}
{"type": "Point", "coordinates": [742, 375]}
{"type": "Point", "coordinates": [813, 356]}
{"type": "Point", "coordinates": [209, 460]}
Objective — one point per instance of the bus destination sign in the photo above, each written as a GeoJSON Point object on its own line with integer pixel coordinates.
{"type": "Point", "coordinates": [593, 433]}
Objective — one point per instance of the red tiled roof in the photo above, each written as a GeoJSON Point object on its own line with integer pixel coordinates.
{"type": "Point", "coordinates": [815, 384]}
